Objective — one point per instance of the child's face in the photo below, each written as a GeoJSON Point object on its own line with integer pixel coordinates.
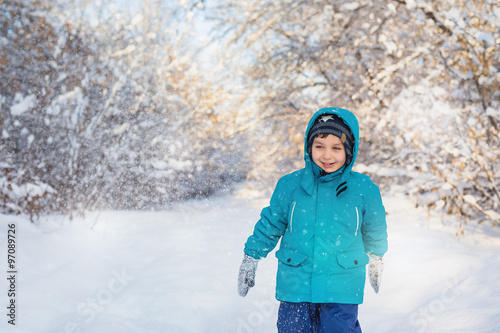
{"type": "Point", "coordinates": [328, 153]}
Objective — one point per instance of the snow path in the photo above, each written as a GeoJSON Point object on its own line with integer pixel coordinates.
{"type": "Point", "coordinates": [176, 271]}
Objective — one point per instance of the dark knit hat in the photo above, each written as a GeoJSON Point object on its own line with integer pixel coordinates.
{"type": "Point", "coordinates": [332, 124]}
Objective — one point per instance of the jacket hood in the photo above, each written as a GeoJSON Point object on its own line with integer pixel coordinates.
{"type": "Point", "coordinates": [350, 119]}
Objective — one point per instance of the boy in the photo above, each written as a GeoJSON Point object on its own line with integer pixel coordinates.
{"type": "Point", "coordinates": [332, 224]}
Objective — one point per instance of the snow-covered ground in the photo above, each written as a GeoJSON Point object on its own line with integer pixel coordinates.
{"type": "Point", "coordinates": [176, 271]}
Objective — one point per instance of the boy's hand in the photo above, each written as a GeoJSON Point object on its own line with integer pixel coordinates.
{"type": "Point", "coordinates": [375, 268]}
{"type": "Point", "coordinates": [246, 278]}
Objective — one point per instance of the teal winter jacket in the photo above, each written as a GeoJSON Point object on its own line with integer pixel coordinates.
{"type": "Point", "coordinates": [327, 226]}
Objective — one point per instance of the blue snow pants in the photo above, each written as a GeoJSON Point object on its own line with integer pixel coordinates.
{"type": "Point", "coordinates": [318, 318]}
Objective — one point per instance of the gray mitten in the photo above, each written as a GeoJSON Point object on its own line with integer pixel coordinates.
{"type": "Point", "coordinates": [246, 278]}
{"type": "Point", "coordinates": [375, 268]}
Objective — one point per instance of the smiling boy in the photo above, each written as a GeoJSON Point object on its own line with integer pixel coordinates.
{"type": "Point", "coordinates": [331, 222]}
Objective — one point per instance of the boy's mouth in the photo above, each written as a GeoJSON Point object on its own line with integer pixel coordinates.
{"type": "Point", "coordinates": [328, 165]}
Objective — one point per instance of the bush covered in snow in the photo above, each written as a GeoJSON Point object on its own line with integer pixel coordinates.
{"type": "Point", "coordinates": [103, 117]}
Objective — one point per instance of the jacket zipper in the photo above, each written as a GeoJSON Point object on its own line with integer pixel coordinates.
{"type": "Point", "coordinates": [357, 222]}
{"type": "Point", "coordinates": [291, 216]}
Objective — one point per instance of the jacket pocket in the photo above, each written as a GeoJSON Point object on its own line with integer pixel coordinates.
{"type": "Point", "coordinates": [290, 257]}
{"type": "Point", "coordinates": [352, 259]}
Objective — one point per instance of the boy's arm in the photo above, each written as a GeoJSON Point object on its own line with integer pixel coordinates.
{"type": "Point", "coordinates": [374, 227]}
{"type": "Point", "coordinates": [272, 224]}
{"type": "Point", "coordinates": [374, 232]}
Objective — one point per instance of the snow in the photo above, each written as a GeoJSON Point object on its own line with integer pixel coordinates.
{"type": "Point", "coordinates": [176, 271]}
{"type": "Point", "coordinates": [60, 101]}
{"type": "Point", "coordinates": [120, 129]}
{"type": "Point", "coordinates": [24, 190]}
{"type": "Point", "coordinates": [482, 36]}
{"type": "Point", "coordinates": [138, 19]}
{"type": "Point", "coordinates": [492, 112]}
{"type": "Point", "coordinates": [349, 6]}
{"type": "Point", "coordinates": [22, 104]}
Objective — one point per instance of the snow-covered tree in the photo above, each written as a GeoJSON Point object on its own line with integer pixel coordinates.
{"type": "Point", "coordinates": [421, 75]}
{"type": "Point", "coordinates": [110, 115]}
{"type": "Point", "coordinates": [122, 109]}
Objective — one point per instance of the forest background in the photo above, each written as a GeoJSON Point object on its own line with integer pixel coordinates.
{"type": "Point", "coordinates": [136, 105]}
